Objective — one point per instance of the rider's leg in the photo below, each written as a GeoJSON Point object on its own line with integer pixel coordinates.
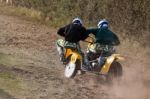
{"type": "Point", "coordinates": [60, 52]}
{"type": "Point", "coordinates": [85, 62]}
{"type": "Point", "coordinates": [60, 49]}
{"type": "Point", "coordinates": [101, 61]}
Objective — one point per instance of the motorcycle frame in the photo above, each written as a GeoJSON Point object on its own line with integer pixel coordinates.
{"type": "Point", "coordinates": [75, 55]}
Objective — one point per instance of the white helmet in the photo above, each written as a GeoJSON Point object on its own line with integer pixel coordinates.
{"type": "Point", "coordinates": [77, 21]}
{"type": "Point", "coordinates": [103, 23]}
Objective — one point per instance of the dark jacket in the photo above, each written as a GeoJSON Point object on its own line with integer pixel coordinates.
{"type": "Point", "coordinates": [104, 36]}
{"type": "Point", "coordinates": [73, 33]}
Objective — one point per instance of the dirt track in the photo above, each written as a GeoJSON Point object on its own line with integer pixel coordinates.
{"type": "Point", "coordinates": [30, 49]}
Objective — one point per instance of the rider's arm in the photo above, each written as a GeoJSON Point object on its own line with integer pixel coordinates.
{"type": "Point", "coordinates": [116, 40]}
{"type": "Point", "coordinates": [61, 31]}
{"type": "Point", "coordinates": [84, 34]}
{"type": "Point", "coordinates": [92, 30]}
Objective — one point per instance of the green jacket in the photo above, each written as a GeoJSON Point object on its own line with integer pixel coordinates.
{"type": "Point", "coordinates": [104, 36]}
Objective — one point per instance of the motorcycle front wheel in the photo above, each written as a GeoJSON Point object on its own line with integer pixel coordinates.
{"type": "Point", "coordinates": [70, 70]}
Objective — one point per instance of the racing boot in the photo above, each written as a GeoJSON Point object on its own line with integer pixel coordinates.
{"type": "Point", "coordinates": [101, 61]}
{"type": "Point", "coordinates": [86, 65]}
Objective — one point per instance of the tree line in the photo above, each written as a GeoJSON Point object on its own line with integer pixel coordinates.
{"type": "Point", "coordinates": [129, 16]}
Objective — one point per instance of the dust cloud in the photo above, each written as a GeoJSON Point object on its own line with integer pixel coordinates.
{"type": "Point", "coordinates": [135, 83]}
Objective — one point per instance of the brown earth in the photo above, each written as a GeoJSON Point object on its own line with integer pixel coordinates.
{"type": "Point", "coordinates": [27, 50]}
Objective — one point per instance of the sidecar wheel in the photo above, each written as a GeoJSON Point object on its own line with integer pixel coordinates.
{"type": "Point", "coordinates": [70, 70]}
{"type": "Point", "coordinates": [115, 71]}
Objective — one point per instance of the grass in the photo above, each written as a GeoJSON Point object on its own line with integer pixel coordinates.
{"type": "Point", "coordinates": [9, 60]}
{"type": "Point", "coordinates": [32, 15]}
{"type": "Point", "coordinates": [9, 81]}
{"type": "Point", "coordinates": [28, 14]}
{"type": "Point", "coordinates": [6, 60]}
{"type": "Point", "coordinates": [11, 84]}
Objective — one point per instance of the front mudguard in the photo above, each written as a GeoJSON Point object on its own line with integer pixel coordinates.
{"type": "Point", "coordinates": [71, 66]}
{"type": "Point", "coordinates": [74, 57]}
{"type": "Point", "coordinates": [109, 61]}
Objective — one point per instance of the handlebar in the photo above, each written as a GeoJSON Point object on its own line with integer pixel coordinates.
{"type": "Point", "coordinates": [91, 41]}
{"type": "Point", "coordinates": [88, 42]}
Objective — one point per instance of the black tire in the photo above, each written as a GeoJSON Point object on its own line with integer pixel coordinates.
{"type": "Point", "coordinates": [78, 67]}
{"type": "Point", "coordinates": [115, 71]}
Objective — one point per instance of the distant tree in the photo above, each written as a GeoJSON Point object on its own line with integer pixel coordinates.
{"type": "Point", "coordinates": [7, 1]}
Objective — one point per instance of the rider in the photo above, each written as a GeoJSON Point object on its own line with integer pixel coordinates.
{"type": "Point", "coordinates": [73, 33]}
{"type": "Point", "coordinates": [104, 38]}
